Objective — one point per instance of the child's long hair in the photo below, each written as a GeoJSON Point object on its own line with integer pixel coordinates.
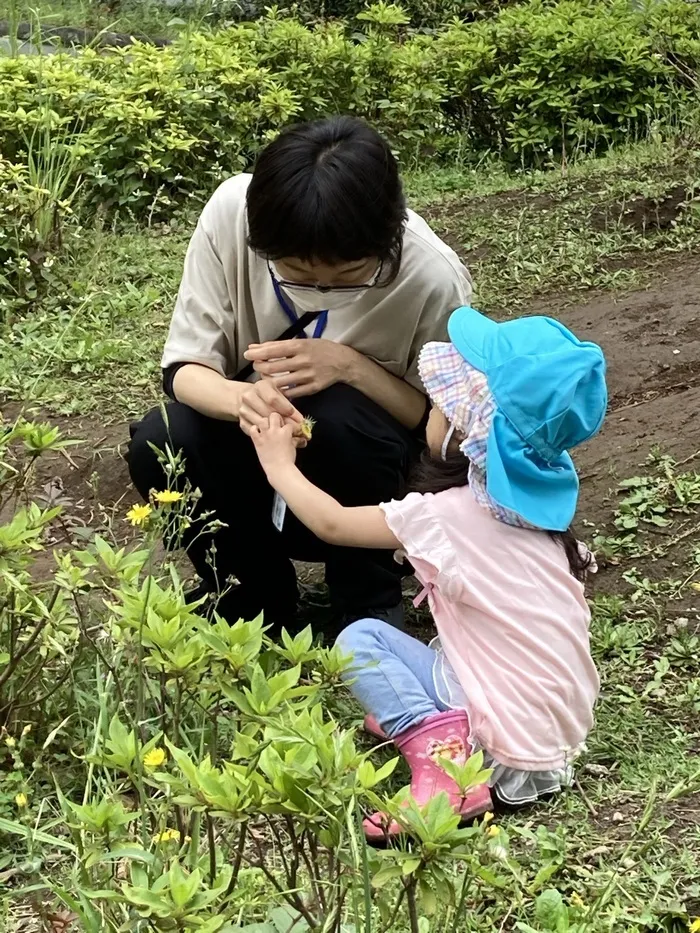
{"type": "Point", "coordinates": [432, 475]}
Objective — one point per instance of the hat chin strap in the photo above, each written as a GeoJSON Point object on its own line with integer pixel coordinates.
{"type": "Point", "coordinates": [446, 443]}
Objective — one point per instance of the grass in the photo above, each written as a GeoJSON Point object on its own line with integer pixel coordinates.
{"type": "Point", "coordinates": [93, 344]}
{"type": "Point", "coordinates": [138, 17]}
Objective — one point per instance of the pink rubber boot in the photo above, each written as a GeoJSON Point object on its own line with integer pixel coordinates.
{"type": "Point", "coordinates": [445, 735]}
{"type": "Point", "coordinates": [373, 727]}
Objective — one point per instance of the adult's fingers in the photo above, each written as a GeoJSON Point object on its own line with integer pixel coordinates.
{"type": "Point", "coordinates": [276, 401]}
{"type": "Point", "coordinates": [303, 384]}
{"type": "Point", "coordinates": [273, 367]}
{"type": "Point", "coordinates": [274, 349]}
{"type": "Point", "coordinates": [309, 388]}
{"type": "Point", "coordinates": [250, 421]}
{"type": "Point", "coordinates": [293, 380]}
{"type": "Point", "coordinates": [275, 420]}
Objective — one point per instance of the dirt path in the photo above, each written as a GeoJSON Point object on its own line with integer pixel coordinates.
{"type": "Point", "coordinates": [652, 342]}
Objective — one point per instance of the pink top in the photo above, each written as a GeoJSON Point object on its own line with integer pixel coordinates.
{"type": "Point", "coordinates": [513, 623]}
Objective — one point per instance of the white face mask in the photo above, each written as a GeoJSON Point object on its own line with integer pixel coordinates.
{"type": "Point", "coordinates": [309, 299]}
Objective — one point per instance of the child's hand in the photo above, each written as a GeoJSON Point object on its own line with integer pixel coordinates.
{"type": "Point", "coordinates": [275, 444]}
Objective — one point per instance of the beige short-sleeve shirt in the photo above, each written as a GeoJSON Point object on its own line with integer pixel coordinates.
{"type": "Point", "coordinates": [226, 299]}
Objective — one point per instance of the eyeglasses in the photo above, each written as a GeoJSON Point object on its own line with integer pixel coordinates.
{"type": "Point", "coordinates": [323, 289]}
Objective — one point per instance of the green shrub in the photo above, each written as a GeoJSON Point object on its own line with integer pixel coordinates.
{"type": "Point", "coordinates": [568, 76]}
{"type": "Point", "coordinates": [149, 125]}
{"type": "Point", "coordinates": [35, 201]}
{"type": "Point", "coordinates": [18, 238]}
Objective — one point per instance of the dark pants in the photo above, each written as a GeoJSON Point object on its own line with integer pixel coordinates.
{"type": "Point", "coordinates": [359, 454]}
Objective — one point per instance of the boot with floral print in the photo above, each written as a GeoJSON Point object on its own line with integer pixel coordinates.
{"type": "Point", "coordinates": [443, 736]}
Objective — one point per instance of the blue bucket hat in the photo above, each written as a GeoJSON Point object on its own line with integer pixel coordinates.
{"type": "Point", "coordinates": [550, 395]}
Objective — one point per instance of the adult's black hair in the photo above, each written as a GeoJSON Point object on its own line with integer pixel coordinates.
{"type": "Point", "coordinates": [432, 475]}
{"type": "Point", "coordinates": [328, 191]}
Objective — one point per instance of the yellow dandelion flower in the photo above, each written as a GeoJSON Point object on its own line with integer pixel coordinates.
{"type": "Point", "coordinates": [493, 831]}
{"type": "Point", "coordinates": [694, 926]}
{"type": "Point", "coordinates": [168, 835]}
{"type": "Point", "coordinates": [167, 496]}
{"type": "Point", "coordinates": [154, 758]}
{"type": "Point", "coordinates": [10, 742]}
{"type": "Point", "coordinates": [307, 427]}
{"type": "Point", "coordinates": [138, 514]}
{"type": "Point", "coordinates": [577, 900]}
{"type": "Point", "coordinates": [21, 800]}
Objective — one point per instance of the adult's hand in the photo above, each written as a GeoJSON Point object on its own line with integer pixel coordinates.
{"type": "Point", "coordinates": [301, 367]}
{"type": "Point", "coordinates": [261, 400]}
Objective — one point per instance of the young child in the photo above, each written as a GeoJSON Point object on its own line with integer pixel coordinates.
{"type": "Point", "coordinates": [488, 535]}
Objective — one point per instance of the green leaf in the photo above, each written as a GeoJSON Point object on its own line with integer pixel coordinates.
{"type": "Point", "coordinates": [386, 770]}
{"type": "Point", "coordinates": [543, 875]}
{"type": "Point", "coordinates": [146, 900]}
{"type": "Point", "coordinates": [550, 910]}
{"type": "Point", "coordinates": [427, 898]}
{"type": "Point", "coordinates": [134, 853]}
{"type": "Point", "coordinates": [386, 874]}
{"type": "Point", "coordinates": [182, 886]}
{"type": "Point", "coordinates": [54, 732]}
{"type": "Point", "coordinates": [490, 877]}
{"type": "Point", "coordinates": [36, 835]}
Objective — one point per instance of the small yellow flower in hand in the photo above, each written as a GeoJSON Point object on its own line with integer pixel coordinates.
{"type": "Point", "coordinates": [168, 835]}
{"type": "Point", "coordinates": [154, 758]}
{"type": "Point", "coordinates": [307, 427]}
{"type": "Point", "coordinates": [138, 514]}
{"type": "Point", "coordinates": [21, 800]}
{"type": "Point", "coordinates": [167, 496]}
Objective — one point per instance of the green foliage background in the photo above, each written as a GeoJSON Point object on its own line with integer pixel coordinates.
{"type": "Point", "coordinates": [535, 78]}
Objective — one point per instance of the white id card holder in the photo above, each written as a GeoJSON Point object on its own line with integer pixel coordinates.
{"type": "Point", "coordinates": [279, 510]}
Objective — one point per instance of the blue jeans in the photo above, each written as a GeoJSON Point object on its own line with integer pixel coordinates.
{"type": "Point", "coordinates": [391, 675]}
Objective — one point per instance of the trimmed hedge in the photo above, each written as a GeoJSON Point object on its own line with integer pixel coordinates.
{"type": "Point", "coordinates": [151, 124]}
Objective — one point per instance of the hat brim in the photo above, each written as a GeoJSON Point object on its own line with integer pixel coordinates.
{"type": "Point", "coordinates": [472, 334]}
{"type": "Point", "coordinates": [544, 494]}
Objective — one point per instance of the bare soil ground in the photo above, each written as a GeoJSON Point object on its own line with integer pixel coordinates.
{"type": "Point", "coordinates": [651, 339]}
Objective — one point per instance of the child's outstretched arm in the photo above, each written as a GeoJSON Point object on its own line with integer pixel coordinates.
{"type": "Point", "coordinates": [331, 522]}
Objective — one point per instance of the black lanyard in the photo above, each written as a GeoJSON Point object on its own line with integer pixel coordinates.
{"type": "Point", "coordinates": [291, 313]}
